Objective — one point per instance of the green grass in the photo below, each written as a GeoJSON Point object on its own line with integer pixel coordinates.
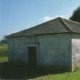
{"type": "Point", "coordinates": [3, 59]}
{"type": "Point", "coordinates": [3, 53]}
{"type": "Point", "coordinates": [65, 76]}
{"type": "Point", "coordinates": [3, 50]}
{"type": "Point", "coordinates": [20, 71]}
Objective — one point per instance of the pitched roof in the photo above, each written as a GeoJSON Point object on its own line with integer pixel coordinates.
{"type": "Point", "coordinates": [58, 25]}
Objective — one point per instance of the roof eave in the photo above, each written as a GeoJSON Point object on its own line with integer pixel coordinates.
{"type": "Point", "coordinates": [43, 34]}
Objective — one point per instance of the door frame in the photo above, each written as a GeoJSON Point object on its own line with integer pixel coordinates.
{"type": "Point", "coordinates": [37, 51]}
{"type": "Point", "coordinates": [32, 58]}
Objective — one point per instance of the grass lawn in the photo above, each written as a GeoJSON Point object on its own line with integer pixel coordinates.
{"type": "Point", "coordinates": [20, 72]}
{"type": "Point", "coordinates": [65, 76]}
{"type": "Point", "coordinates": [3, 50]}
{"type": "Point", "coordinates": [3, 59]}
{"type": "Point", "coordinates": [11, 71]}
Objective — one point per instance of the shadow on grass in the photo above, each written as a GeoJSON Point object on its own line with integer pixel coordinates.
{"type": "Point", "coordinates": [20, 71]}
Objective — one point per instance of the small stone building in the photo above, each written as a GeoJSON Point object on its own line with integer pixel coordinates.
{"type": "Point", "coordinates": [56, 42]}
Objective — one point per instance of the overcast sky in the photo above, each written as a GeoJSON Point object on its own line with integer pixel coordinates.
{"type": "Point", "coordinates": [16, 15]}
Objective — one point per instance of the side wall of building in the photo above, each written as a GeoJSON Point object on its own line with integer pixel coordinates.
{"type": "Point", "coordinates": [75, 51]}
{"type": "Point", "coordinates": [55, 50]}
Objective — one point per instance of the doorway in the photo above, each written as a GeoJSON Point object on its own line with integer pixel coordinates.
{"type": "Point", "coordinates": [32, 58]}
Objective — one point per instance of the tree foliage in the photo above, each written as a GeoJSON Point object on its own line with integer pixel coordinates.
{"type": "Point", "coordinates": [3, 41]}
{"type": "Point", "coordinates": [76, 15]}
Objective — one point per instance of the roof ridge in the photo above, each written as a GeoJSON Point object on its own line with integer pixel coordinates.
{"type": "Point", "coordinates": [65, 25]}
{"type": "Point", "coordinates": [71, 21]}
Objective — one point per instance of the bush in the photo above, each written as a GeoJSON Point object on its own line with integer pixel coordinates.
{"type": "Point", "coordinates": [3, 50]}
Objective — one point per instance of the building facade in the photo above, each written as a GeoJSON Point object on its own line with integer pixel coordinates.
{"type": "Point", "coordinates": [62, 49]}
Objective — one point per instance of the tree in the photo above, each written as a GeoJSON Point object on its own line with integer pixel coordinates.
{"type": "Point", "coordinates": [76, 15]}
{"type": "Point", "coordinates": [3, 41]}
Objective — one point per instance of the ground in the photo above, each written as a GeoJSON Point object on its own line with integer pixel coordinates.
{"type": "Point", "coordinates": [9, 71]}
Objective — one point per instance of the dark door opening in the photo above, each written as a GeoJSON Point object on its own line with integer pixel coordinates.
{"type": "Point", "coordinates": [32, 59]}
